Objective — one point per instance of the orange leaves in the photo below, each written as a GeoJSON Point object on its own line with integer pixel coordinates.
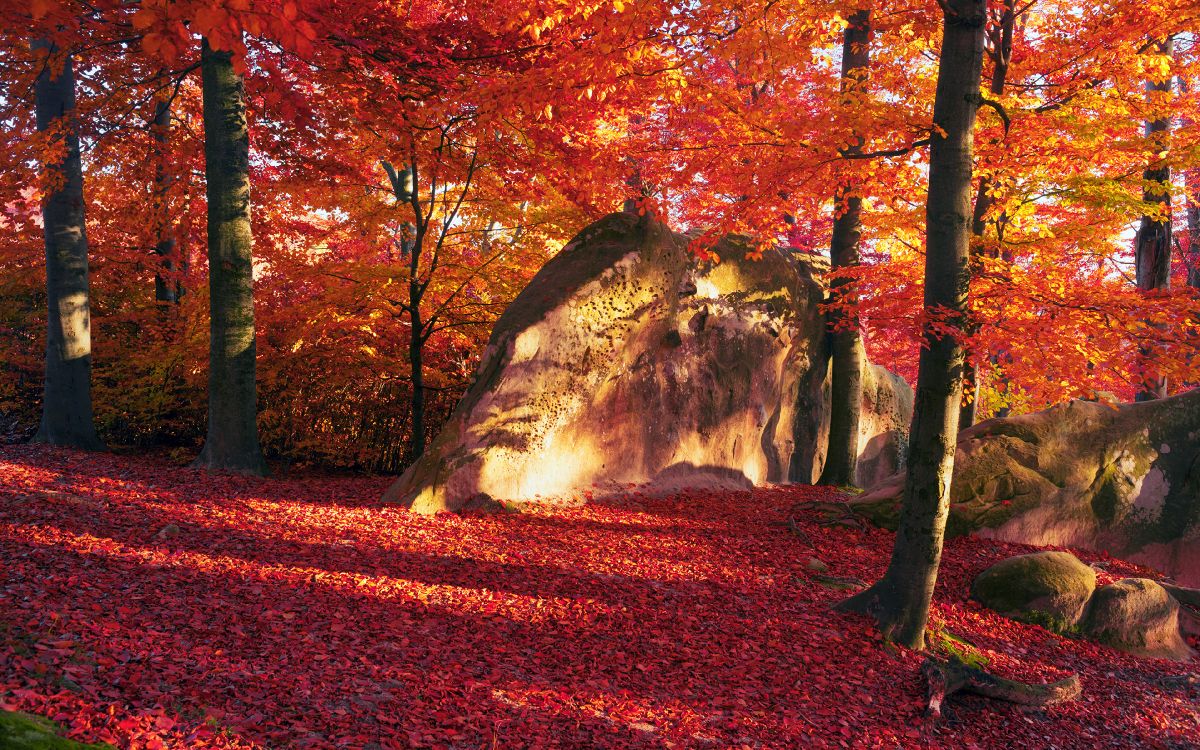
{"type": "Point", "coordinates": [40, 8]}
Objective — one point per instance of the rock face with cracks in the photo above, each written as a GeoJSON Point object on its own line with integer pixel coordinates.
{"type": "Point", "coordinates": [1124, 479]}
{"type": "Point", "coordinates": [628, 359]}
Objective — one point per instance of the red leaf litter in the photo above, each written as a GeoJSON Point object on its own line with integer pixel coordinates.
{"type": "Point", "coordinates": [152, 606]}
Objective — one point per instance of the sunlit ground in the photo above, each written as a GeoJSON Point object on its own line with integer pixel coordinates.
{"type": "Point", "coordinates": [155, 606]}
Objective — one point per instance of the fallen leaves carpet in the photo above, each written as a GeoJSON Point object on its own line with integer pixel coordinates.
{"type": "Point", "coordinates": [152, 606]}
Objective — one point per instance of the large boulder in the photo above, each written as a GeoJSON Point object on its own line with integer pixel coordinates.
{"type": "Point", "coordinates": [628, 359]}
{"type": "Point", "coordinates": [1045, 588]}
{"type": "Point", "coordinates": [1137, 615]}
{"type": "Point", "coordinates": [1124, 479]}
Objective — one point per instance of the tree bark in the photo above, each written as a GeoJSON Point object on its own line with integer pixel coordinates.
{"type": "Point", "coordinates": [406, 190]}
{"type": "Point", "coordinates": [848, 356]}
{"type": "Point", "coordinates": [167, 287]}
{"type": "Point", "coordinates": [1001, 55]}
{"type": "Point", "coordinates": [900, 600]}
{"type": "Point", "coordinates": [1192, 181]}
{"type": "Point", "coordinates": [1152, 250]}
{"type": "Point", "coordinates": [945, 677]}
{"type": "Point", "coordinates": [67, 400]}
{"type": "Point", "coordinates": [416, 343]}
{"type": "Point", "coordinates": [232, 442]}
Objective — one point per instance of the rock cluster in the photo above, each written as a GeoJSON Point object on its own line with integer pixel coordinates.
{"type": "Point", "coordinates": [1124, 479]}
{"type": "Point", "coordinates": [1056, 590]}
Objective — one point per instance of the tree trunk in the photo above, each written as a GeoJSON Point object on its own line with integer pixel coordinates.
{"type": "Point", "coordinates": [1192, 181]}
{"type": "Point", "coordinates": [900, 600]}
{"type": "Point", "coordinates": [167, 287]}
{"type": "Point", "coordinates": [848, 355]}
{"type": "Point", "coordinates": [1001, 55]}
{"type": "Point", "coordinates": [67, 400]}
{"type": "Point", "coordinates": [1152, 250]}
{"type": "Point", "coordinates": [232, 442]}
{"type": "Point", "coordinates": [416, 363]}
{"type": "Point", "coordinates": [407, 191]}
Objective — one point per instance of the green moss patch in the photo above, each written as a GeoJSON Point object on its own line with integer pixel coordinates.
{"type": "Point", "coordinates": [20, 731]}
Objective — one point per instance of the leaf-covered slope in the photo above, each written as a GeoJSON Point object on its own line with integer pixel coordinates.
{"type": "Point", "coordinates": [300, 612]}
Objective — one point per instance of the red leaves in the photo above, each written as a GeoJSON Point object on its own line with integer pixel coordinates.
{"type": "Point", "coordinates": [299, 613]}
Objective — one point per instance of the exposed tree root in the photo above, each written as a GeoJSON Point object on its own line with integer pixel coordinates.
{"type": "Point", "coordinates": [832, 513]}
{"type": "Point", "coordinates": [948, 676]}
{"type": "Point", "coordinates": [795, 529]}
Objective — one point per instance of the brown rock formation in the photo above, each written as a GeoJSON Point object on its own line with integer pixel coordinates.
{"type": "Point", "coordinates": [1123, 479]}
{"type": "Point", "coordinates": [629, 360]}
{"type": "Point", "coordinates": [1138, 616]}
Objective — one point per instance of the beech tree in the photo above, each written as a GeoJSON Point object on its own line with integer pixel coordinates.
{"type": "Point", "coordinates": [67, 400]}
{"type": "Point", "coordinates": [1152, 245]}
{"type": "Point", "coordinates": [423, 240]}
{"type": "Point", "coordinates": [900, 600]}
{"type": "Point", "coordinates": [848, 355]}
{"type": "Point", "coordinates": [999, 49]}
{"type": "Point", "coordinates": [167, 287]}
{"type": "Point", "coordinates": [232, 440]}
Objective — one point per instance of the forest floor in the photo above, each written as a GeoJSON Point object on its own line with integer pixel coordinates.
{"type": "Point", "coordinates": [152, 606]}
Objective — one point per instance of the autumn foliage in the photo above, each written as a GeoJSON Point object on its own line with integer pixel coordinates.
{"type": "Point", "coordinates": [720, 116]}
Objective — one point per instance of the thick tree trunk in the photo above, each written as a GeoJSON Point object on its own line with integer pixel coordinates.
{"type": "Point", "coordinates": [232, 442]}
{"type": "Point", "coordinates": [1152, 251]}
{"type": "Point", "coordinates": [1001, 55]}
{"type": "Point", "coordinates": [167, 287]}
{"type": "Point", "coordinates": [67, 401]}
{"type": "Point", "coordinates": [848, 355]}
{"type": "Point", "coordinates": [900, 600]}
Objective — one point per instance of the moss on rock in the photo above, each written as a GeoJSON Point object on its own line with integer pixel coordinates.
{"type": "Point", "coordinates": [1124, 479]}
{"type": "Point", "coordinates": [1044, 588]}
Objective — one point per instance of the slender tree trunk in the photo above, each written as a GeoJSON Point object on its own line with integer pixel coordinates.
{"type": "Point", "coordinates": [67, 401]}
{"type": "Point", "coordinates": [1152, 250]}
{"type": "Point", "coordinates": [167, 287]}
{"type": "Point", "coordinates": [1001, 54]}
{"type": "Point", "coordinates": [848, 356]}
{"type": "Point", "coordinates": [900, 600]}
{"type": "Point", "coordinates": [1192, 180]}
{"type": "Point", "coordinates": [416, 348]}
{"type": "Point", "coordinates": [416, 338]}
{"type": "Point", "coordinates": [232, 442]}
{"type": "Point", "coordinates": [406, 190]}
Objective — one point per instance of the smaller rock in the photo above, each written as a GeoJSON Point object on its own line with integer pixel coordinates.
{"type": "Point", "coordinates": [170, 531]}
{"type": "Point", "coordinates": [816, 565]}
{"type": "Point", "coordinates": [1044, 588]}
{"type": "Point", "coordinates": [1138, 616]}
